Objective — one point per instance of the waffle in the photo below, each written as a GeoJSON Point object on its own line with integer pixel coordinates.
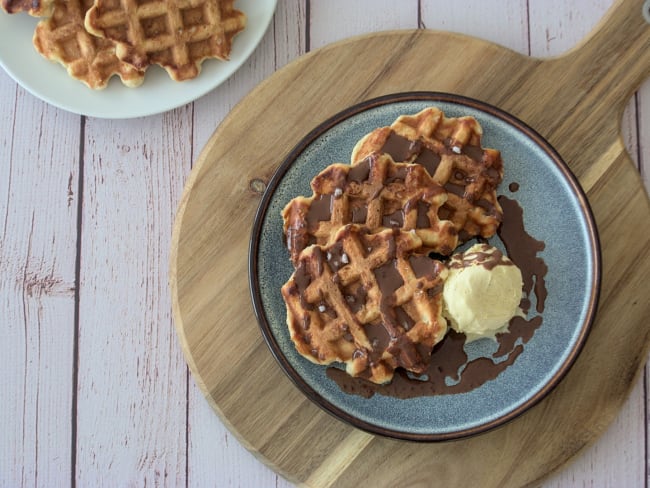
{"type": "Point", "coordinates": [450, 150]}
{"type": "Point", "coordinates": [90, 59]}
{"type": "Point", "coordinates": [368, 301]}
{"type": "Point", "coordinates": [376, 193]}
{"type": "Point", "coordinates": [175, 34]}
{"type": "Point", "coordinates": [35, 8]}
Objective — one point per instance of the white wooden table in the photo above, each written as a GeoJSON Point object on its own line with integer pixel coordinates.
{"type": "Point", "coordinates": [94, 389]}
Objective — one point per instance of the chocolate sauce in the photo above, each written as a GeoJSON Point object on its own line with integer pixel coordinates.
{"type": "Point", "coordinates": [429, 160]}
{"type": "Point", "coordinates": [355, 296]}
{"type": "Point", "coordinates": [400, 148]}
{"type": "Point", "coordinates": [445, 212]}
{"type": "Point", "coordinates": [396, 219]}
{"type": "Point", "coordinates": [492, 175]}
{"type": "Point", "coordinates": [388, 278]}
{"type": "Point", "coordinates": [522, 249]}
{"type": "Point", "coordinates": [399, 174]}
{"type": "Point", "coordinates": [360, 172]}
{"type": "Point", "coordinates": [336, 257]}
{"type": "Point", "coordinates": [474, 152]}
{"type": "Point", "coordinates": [487, 206]}
{"type": "Point", "coordinates": [319, 210]}
{"type": "Point", "coordinates": [489, 260]}
{"type": "Point", "coordinates": [403, 318]}
{"type": "Point", "coordinates": [406, 354]}
{"type": "Point", "coordinates": [513, 187]}
{"type": "Point", "coordinates": [455, 189]}
{"type": "Point", "coordinates": [449, 370]}
{"type": "Point", "coordinates": [378, 337]}
{"type": "Point", "coordinates": [302, 280]}
{"type": "Point", "coordinates": [423, 266]}
{"type": "Point", "coordinates": [519, 328]}
{"type": "Point", "coordinates": [422, 221]}
{"type": "Point", "coordinates": [359, 215]}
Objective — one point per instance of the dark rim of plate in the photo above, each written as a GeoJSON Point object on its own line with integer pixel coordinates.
{"type": "Point", "coordinates": [265, 327]}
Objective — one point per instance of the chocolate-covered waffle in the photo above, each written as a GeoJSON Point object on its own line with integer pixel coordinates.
{"type": "Point", "coordinates": [376, 193]}
{"type": "Point", "coordinates": [450, 150]}
{"type": "Point", "coordinates": [368, 301]}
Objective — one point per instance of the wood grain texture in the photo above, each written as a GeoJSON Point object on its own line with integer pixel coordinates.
{"type": "Point", "coordinates": [215, 458]}
{"type": "Point", "coordinates": [208, 272]}
{"type": "Point", "coordinates": [559, 26]}
{"type": "Point", "coordinates": [126, 341]}
{"type": "Point", "coordinates": [94, 389]}
{"type": "Point", "coordinates": [38, 218]}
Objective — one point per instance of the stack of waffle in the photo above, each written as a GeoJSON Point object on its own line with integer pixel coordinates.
{"type": "Point", "coordinates": [365, 291]}
{"type": "Point", "coordinates": [96, 39]}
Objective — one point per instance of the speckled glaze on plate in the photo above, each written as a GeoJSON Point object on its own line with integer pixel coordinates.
{"type": "Point", "coordinates": [555, 211]}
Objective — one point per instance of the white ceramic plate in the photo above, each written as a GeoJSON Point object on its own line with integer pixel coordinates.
{"type": "Point", "coordinates": [50, 82]}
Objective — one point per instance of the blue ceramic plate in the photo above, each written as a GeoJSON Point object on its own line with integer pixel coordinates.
{"type": "Point", "coordinates": [555, 211]}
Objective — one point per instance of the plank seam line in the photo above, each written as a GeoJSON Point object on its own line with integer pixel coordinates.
{"type": "Point", "coordinates": [307, 25]}
{"type": "Point", "coordinates": [77, 300]}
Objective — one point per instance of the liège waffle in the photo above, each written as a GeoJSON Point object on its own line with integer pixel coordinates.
{"type": "Point", "coordinates": [367, 300]}
{"type": "Point", "coordinates": [35, 8]}
{"type": "Point", "coordinates": [175, 34]}
{"type": "Point", "coordinates": [90, 59]}
{"type": "Point", "coordinates": [450, 149]}
{"type": "Point", "coordinates": [376, 193]}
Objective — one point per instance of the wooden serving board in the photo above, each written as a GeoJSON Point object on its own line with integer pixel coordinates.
{"type": "Point", "coordinates": [575, 101]}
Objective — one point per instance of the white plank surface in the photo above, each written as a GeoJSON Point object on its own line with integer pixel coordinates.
{"type": "Point", "coordinates": [132, 387]}
{"type": "Point", "coordinates": [94, 386]}
{"type": "Point", "coordinates": [39, 154]}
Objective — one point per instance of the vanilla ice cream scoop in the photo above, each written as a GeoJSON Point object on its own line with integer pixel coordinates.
{"type": "Point", "coordinates": [482, 292]}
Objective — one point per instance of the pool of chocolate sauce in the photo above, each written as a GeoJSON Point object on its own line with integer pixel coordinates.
{"type": "Point", "coordinates": [451, 371]}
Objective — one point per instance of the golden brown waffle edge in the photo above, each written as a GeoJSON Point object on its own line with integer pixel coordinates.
{"type": "Point", "coordinates": [450, 150]}
{"type": "Point", "coordinates": [378, 194]}
{"type": "Point", "coordinates": [175, 34]}
{"type": "Point", "coordinates": [62, 38]}
{"type": "Point", "coordinates": [367, 300]}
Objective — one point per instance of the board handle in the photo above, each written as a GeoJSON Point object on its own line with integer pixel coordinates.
{"type": "Point", "coordinates": [614, 59]}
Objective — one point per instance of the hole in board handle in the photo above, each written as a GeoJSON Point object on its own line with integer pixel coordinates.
{"type": "Point", "coordinates": [646, 11]}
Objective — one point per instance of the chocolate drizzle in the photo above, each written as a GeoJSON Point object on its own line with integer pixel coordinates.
{"type": "Point", "coordinates": [474, 152]}
{"type": "Point", "coordinates": [450, 371]}
{"type": "Point", "coordinates": [400, 148]}
{"type": "Point", "coordinates": [319, 210]}
{"type": "Point", "coordinates": [423, 221]}
{"type": "Point", "coordinates": [522, 249]}
{"type": "Point", "coordinates": [360, 172]}
{"type": "Point", "coordinates": [429, 160]}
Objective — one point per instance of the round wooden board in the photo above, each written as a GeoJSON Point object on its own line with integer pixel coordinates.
{"type": "Point", "coordinates": [575, 101]}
